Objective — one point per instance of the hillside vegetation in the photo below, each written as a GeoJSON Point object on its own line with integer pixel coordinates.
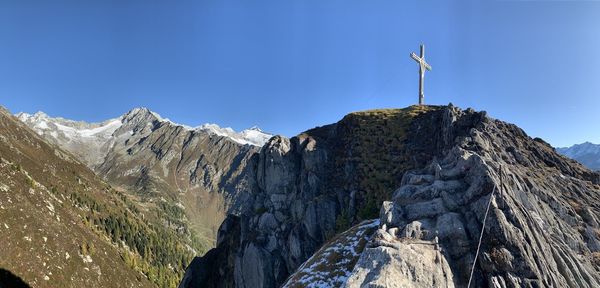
{"type": "Point", "coordinates": [374, 142]}
{"type": "Point", "coordinates": [64, 227]}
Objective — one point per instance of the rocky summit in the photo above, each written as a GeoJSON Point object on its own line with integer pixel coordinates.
{"type": "Point", "coordinates": [398, 198]}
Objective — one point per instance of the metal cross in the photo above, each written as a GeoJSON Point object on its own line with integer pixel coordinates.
{"type": "Point", "coordinates": [422, 66]}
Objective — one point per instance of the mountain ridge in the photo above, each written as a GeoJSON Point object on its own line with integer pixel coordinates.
{"type": "Point", "coordinates": [586, 153]}
{"type": "Point", "coordinates": [39, 121]}
{"type": "Point", "coordinates": [196, 170]}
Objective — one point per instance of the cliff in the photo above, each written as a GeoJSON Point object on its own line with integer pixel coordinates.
{"type": "Point", "coordinates": [427, 173]}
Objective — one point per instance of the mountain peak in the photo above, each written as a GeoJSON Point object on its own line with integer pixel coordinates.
{"type": "Point", "coordinates": [138, 112]}
{"type": "Point", "coordinates": [254, 128]}
{"type": "Point", "coordinates": [586, 153]}
{"type": "Point", "coordinates": [23, 116]}
{"type": "Point", "coordinates": [40, 114]}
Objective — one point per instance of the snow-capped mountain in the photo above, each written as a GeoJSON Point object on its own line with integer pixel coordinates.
{"type": "Point", "coordinates": [195, 167]}
{"type": "Point", "coordinates": [91, 141]}
{"type": "Point", "coordinates": [586, 153]}
{"type": "Point", "coordinates": [88, 141]}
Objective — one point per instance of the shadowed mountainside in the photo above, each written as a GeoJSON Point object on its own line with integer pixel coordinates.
{"type": "Point", "coordinates": [10, 280]}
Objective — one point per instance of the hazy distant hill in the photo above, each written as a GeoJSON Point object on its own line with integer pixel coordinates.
{"type": "Point", "coordinates": [586, 153]}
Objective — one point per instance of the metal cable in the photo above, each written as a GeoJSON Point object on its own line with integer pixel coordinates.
{"type": "Point", "coordinates": [481, 236]}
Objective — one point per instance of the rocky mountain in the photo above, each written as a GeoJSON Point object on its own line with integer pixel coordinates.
{"type": "Point", "coordinates": [192, 175]}
{"type": "Point", "coordinates": [586, 153]}
{"type": "Point", "coordinates": [417, 183]}
{"type": "Point", "coordinates": [62, 226]}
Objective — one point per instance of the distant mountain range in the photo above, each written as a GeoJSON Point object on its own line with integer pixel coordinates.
{"type": "Point", "coordinates": [193, 169]}
{"type": "Point", "coordinates": [586, 153]}
{"type": "Point", "coordinates": [91, 141]}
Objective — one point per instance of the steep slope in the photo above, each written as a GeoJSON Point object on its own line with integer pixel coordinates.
{"type": "Point", "coordinates": [586, 153]}
{"type": "Point", "coordinates": [438, 166]}
{"type": "Point", "coordinates": [310, 187]}
{"type": "Point", "coordinates": [190, 175]}
{"type": "Point", "coordinates": [64, 227]}
{"type": "Point", "coordinates": [541, 231]}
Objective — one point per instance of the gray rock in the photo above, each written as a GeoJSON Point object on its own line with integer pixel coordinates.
{"type": "Point", "coordinates": [406, 265]}
{"type": "Point", "coordinates": [390, 214]}
{"type": "Point", "coordinates": [267, 222]}
{"type": "Point", "coordinates": [424, 209]}
{"type": "Point", "coordinates": [536, 233]}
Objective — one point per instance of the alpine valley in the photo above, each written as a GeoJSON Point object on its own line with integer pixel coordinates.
{"type": "Point", "coordinates": [382, 198]}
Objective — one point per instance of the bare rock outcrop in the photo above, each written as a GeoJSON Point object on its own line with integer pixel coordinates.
{"type": "Point", "coordinates": [541, 230]}
{"type": "Point", "coordinates": [439, 173]}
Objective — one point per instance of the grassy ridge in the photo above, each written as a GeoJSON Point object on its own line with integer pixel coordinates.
{"type": "Point", "coordinates": [371, 147]}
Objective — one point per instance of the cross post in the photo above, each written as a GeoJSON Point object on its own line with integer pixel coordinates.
{"type": "Point", "coordinates": [423, 65]}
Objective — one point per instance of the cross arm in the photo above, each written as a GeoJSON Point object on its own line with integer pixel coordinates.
{"type": "Point", "coordinates": [414, 56]}
{"type": "Point", "coordinates": [426, 66]}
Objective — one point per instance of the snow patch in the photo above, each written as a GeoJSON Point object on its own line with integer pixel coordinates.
{"type": "Point", "coordinates": [319, 271]}
{"type": "Point", "coordinates": [107, 129]}
{"type": "Point", "coordinates": [253, 136]}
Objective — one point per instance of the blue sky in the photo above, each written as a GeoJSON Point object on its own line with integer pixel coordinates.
{"type": "Point", "coordinates": [287, 66]}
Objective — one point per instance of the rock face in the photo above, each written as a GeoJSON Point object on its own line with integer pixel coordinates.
{"type": "Point", "coordinates": [197, 171]}
{"type": "Point", "coordinates": [541, 230]}
{"type": "Point", "coordinates": [304, 190]}
{"type": "Point", "coordinates": [440, 166]}
{"type": "Point", "coordinates": [406, 264]}
{"type": "Point", "coordinates": [586, 153]}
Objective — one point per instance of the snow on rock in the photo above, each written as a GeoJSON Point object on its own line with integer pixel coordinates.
{"type": "Point", "coordinates": [85, 140]}
{"type": "Point", "coordinates": [97, 135]}
{"type": "Point", "coordinates": [106, 129]}
{"type": "Point", "coordinates": [252, 136]}
{"type": "Point", "coordinates": [333, 263]}
{"type": "Point", "coordinates": [255, 136]}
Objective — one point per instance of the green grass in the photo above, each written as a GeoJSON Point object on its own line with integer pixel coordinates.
{"type": "Point", "coordinates": [372, 144]}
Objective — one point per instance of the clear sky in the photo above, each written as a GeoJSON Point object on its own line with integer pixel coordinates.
{"type": "Point", "coordinates": [287, 66]}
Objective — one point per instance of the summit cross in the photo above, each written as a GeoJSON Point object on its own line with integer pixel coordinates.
{"type": "Point", "coordinates": [422, 66]}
